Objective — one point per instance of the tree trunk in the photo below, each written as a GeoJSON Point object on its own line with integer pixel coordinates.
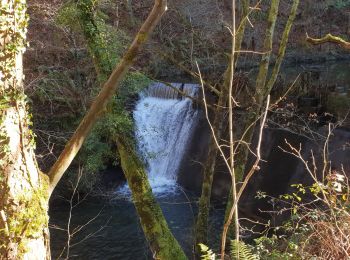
{"type": "Point", "coordinates": [208, 174]}
{"type": "Point", "coordinates": [218, 125]}
{"type": "Point", "coordinates": [253, 113]}
{"type": "Point", "coordinates": [263, 89]}
{"type": "Point", "coordinates": [162, 243]}
{"type": "Point", "coordinates": [23, 188]}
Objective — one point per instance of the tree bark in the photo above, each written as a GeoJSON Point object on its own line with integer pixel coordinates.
{"type": "Point", "coordinates": [23, 188]}
{"type": "Point", "coordinates": [265, 59]}
{"type": "Point", "coordinates": [201, 230]}
{"type": "Point", "coordinates": [241, 28]}
{"type": "Point", "coordinates": [282, 48]}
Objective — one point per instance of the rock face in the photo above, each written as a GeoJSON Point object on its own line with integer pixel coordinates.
{"type": "Point", "coordinates": [281, 170]}
{"type": "Point", "coordinates": [278, 169]}
{"type": "Point", "coordinates": [190, 172]}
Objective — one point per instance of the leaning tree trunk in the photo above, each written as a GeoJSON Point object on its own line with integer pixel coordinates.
{"type": "Point", "coordinates": [23, 188]}
{"type": "Point", "coordinates": [162, 242]}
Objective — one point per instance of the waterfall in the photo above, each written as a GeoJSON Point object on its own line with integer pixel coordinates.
{"type": "Point", "coordinates": [164, 124]}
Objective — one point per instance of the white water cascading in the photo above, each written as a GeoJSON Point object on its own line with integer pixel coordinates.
{"type": "Point", "coordinates": [164, 122]}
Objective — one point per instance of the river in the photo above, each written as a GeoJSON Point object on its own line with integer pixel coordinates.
{"type": "Point", "coordinates": [114, 231]}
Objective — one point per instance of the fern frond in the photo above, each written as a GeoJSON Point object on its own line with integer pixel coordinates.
{"type": "Point", "coordinates": [207, 253]}
{"type": "Point", "coordinates": [242, 251]}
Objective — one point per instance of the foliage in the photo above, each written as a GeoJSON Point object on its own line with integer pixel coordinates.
{"type": "Point", "coordinates": [105, 42]}
{"type": "Point", "coordinates": [318, 228]}
{"type": "Point", "coordinates": [67, 16]}
{"type": "Point", "coordinates": [276, 248]}
{"type": "Point", "coordinates": [99, 149]}
{"type": "Point", "coordinates": [240, 250]}
{"type": "Point", "coordinates": [207, 253]}
{"type": "Point", "coordinates": [338, 105]}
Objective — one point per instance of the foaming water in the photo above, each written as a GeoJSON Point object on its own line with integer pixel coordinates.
{"type": "Point", "coordinates": [164, 124]}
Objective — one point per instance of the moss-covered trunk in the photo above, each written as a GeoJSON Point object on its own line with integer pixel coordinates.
{"type": "Point", "coordinates": [265, 59]}
{"type": "Point", "coordinates": [100, 103]}
{"type": "Point", "coordinates": [23, 189]}
{"type": "Point", "coordinates": [241, 28]}
{"type": "Point", "coordinates": [201, 230]}
{"type": "Point", "coordinates": [162, 243]}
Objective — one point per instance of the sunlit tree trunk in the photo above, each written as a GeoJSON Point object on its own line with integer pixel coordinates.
{"type": "Point", "coordinates": [23, 188]}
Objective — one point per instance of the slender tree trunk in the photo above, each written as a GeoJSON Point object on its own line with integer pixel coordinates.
{"type": "Point", "coordinates": [23, 188]}
{"type": "Point", "coordinates": [208, 174]}
{"type": "Point", "coordinates": [263, 89]}
{"type": "Point", "coordinates": [282, 49]}
{"type": "Point", "coordinates": [253, 113]}
{"type": "Point", "coordinates": [265, 59]}
{"type": "Point", "coordinates": [218, 125]}
{"type": "Point", "coordinates": [241, 28]}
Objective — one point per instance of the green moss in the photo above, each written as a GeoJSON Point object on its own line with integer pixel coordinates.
{"type": "Point", "coordinates": [16, 41]}
{"type": "Point", "coordinates": [162, 242]}
{"type": "Point", "coordinates": [29, 218]}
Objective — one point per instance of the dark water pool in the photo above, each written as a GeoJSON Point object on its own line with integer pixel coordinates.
{"type": "Point", "coordinates": [119, 233]}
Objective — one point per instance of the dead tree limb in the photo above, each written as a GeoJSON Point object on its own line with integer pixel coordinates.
{"type": "Point", "coordinates": [329, 38]}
